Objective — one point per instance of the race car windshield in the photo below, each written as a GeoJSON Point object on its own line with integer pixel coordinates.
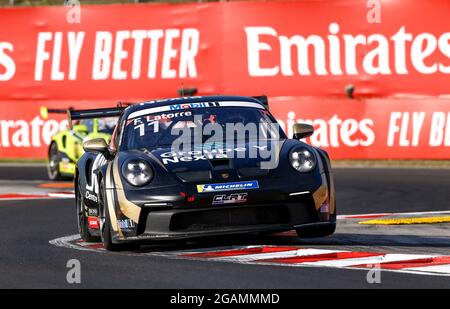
{"type": "Point", "coordinates": [199, 126]}
{"type": "Point", "coordinates": [107, 125]}
{"type": "Point", "coordinates": [104, 125]}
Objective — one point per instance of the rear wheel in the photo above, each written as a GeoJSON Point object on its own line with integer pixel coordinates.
{"type": "Point", "coordinates": [53, 163]}
{"type": "Point", "coordinates": [105, 225]}
{"type": "Point", "coordinates": [82, 219]}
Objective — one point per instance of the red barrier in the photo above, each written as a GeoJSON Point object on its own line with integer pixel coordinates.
{"type": "Point", "coordinates": [281, 48]}
{"type": "Point", "coordinates": [371, 128]}
{"type": "Point", "coordinates": [115, 52]}
{"type": "Point", "coordinates": [298, 49]}
{"type": "Point", "coordinates": [23, 131]}
{"type": "Point", "coordinates": [348, 129]}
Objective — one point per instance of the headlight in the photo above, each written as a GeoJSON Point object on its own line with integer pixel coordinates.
{"type": "Point", "coordinates": [137, 172]}
{"type": "Point", "coordinates": [302, 159]}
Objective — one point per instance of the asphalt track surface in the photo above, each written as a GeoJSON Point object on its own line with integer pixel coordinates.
{"type": "Point", "coordinates": [28, 260]}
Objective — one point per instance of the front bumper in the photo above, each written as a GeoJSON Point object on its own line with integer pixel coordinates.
{"type": "Point", "coordinates": [165, 212]}
{"type": "Point", "coordinates": [67, 168]}
{"type": "Point", "coordinates": [295, 212]}
{"type": "Point", "coordinates": [223, 219]}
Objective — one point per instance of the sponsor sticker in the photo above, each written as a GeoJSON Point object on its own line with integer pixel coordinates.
{"type": "Point", "coordinates": [193, 105]}
{"type": "Point", "coordinates": [125, 224]}
{"type": "Point", "coordinates": [200, 154]}
{"type": "Point", "coordinates": [93, 223]}
{"type": "Point", "coordinates": [91, 197]}
{"type": "Point", "coordinates": [230, 198]}
{"type": "Point", "coordinates": [229, 186]}
{"type": "Point", "coordinates": [92, 212]}
{"type": "Point", "coordinates": [184, 106]}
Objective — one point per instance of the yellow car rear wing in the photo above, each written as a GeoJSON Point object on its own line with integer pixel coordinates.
{"type": "Point", "coordinates": [44, 111]}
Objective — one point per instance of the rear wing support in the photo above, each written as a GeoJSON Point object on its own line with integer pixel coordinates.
{"type": "Point", "coordinates": [263, 99]}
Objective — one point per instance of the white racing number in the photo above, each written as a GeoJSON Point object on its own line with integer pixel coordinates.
{"type": "Point", "coordinates": [156, 121]}
{"type": "Point", "coordinates": [141, 127]}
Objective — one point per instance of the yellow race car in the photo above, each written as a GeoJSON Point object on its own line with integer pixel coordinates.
{"type": "Point", "coordinates": [66, 146]}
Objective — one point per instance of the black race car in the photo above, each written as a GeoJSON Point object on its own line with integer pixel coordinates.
{"type": "Point", "coordinates": [200, 166]}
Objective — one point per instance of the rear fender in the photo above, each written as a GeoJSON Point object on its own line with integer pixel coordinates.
{"type": "Point", "coordinates": [59, 139]}
{"type": "Point", "coordinates": [68, 146]}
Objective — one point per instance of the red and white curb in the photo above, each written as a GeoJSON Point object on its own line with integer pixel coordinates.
{"type": "Point", "coordinates": [293, 256]}
{"type": "Point", "coordinates": [25, 196]}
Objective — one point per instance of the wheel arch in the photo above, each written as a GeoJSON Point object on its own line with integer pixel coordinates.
{"type": "Point", "coordinates": [101, 174]}
{"type": "Point", "coordinates": [58, 140]}
{"type": "Point", "coordinates": [325, 158]}
{"type": "Point", "coordinates": [53, 142]}
{"type": "Point", "coordinates": [75, 179]}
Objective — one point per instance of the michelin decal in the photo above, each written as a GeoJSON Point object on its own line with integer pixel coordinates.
{"type": "Point", "coordinates": [230, 186]}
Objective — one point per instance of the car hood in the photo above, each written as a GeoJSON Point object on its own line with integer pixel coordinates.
{"type": "Point", "coordinates": [209, 161]}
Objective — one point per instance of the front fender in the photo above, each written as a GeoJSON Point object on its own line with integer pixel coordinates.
{"type": "Point", "coordinates": [89, 169]}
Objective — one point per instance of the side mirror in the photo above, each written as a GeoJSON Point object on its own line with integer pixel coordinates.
{"type": "Point", "coordinates": [302, 130]}
{"type": "Point", "coordinates": [96, 145]}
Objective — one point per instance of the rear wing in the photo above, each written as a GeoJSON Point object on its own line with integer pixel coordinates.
{"type": "Point", "coordinates": [44, 111]}
{"type": "Point", "coordinates": [263, 99]}
{"type": "Point", "coordinates": [94, 113]}
{"type": "Point", "coordinates": [73, 114]}
{"type": "Point", "coordinates": [98, 112]}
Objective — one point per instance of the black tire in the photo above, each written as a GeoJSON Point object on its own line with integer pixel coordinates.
{"type": "Point", "coordinates": [105, 226]}
{"type": "Point", "coordinates": [316, 231]}
{"type": "Point", "coordinates": [53, 163]}
{"type": "Point", "coordinates": [83, 229]}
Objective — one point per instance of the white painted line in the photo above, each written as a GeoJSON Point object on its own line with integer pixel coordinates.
{"type": "Point", "coordinates": [213, 249]}
{"type": "Point", "coordinates": [437, 269]}
{"type": "Point", "coordinates": [35, 198]}
{"type": "Point", "coordinates": [26, 198]}
{"type": "Point", "coordinates": [62, 195]}
{"type": "Point", "coordinates": [424, 213]}
{"type": "Point", "coordinates": [66, 242]}
{"type": "Point", "coordinates": [363, 215]}
{"type": "Point", "coordinates": [368, 260]}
